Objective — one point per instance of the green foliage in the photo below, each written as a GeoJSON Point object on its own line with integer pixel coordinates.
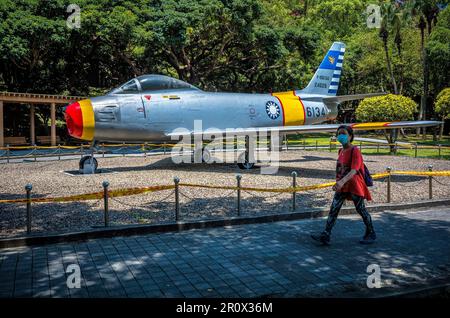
{"type": "Point", "coordinates": [386, 108]}
{"type": "Point", "coordinates": [227, 45]}
{"type": "Point", "coordinates": [443, 103]}
{"type": "Point", "coordinates": [438, 51]}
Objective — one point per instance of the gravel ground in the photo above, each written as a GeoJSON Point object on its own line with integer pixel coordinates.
{"type": "Point", "coordinates": [50, 179]}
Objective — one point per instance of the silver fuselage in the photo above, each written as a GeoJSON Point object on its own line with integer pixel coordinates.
{"type": "Point", "coordinates": [150, 116]}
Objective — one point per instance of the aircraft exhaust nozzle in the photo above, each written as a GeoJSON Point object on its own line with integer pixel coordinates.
{"type": "Point", "coordinates": [80, 120]}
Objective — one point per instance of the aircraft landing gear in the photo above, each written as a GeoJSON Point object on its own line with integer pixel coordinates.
{"type": "Point", "coordinates": [88, 163]}
{"type": "Point", "coordinates": [244, 161]}
{"type": "Point", "coordinates": [204, 154]}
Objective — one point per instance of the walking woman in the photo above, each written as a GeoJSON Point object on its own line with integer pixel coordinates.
{"type": "Point", "coordinates": [349, 185]}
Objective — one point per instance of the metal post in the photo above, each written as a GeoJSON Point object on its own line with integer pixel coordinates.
{"type": "Point", "coordinates": [415, 151]}
{"type": "Point", "coordinates": [103, 150]}
{"type": "Point", "coordinates": [164, 148]}
{"type": "Point", "coordinates": [177, 198]}
{"type": "Point", "coordinates": [145, 150]}
{"type": "Point", "coordinates": [105, 202]}
{"type": "Point", "coordinates": [430, 183]}
{"type": "Point", "coordinates": [287, 142]}
{"type": "Point", "coordinates": [238, 179]}
{"type": "Point", "coordinates": [317, 146]}
{"type": "Point", "coordinates": [7, 153]}
{"type": "Point", "coordinates": [28, 188]}
{"type": "Point", "coordinates": [59, 151]}
{"type": "Point", "coordinates": [35, 149]}
{"type": "Point", "coordinates": [294, 184]}
{"type": "Point", "coordinates": [388, 170]}
{"type": "Point", "coordinates": [439, 147]}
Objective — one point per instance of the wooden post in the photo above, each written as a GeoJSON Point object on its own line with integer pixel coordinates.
{"type": "Point", "coordinates": [53, 123]}
{"type": "Point", "coordinates": [32, 126]}
{"type": "Point", "coordinates": [2, 138]}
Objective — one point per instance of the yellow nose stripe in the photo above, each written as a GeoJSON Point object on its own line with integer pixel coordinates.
{"type": "Point", "coordinates": [293, 109]}
{"type": "Point", "coordinates": [87, 112]}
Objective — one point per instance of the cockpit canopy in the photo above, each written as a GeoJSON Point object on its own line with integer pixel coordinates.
{"type": "Point", "coordinates": [151, 82]}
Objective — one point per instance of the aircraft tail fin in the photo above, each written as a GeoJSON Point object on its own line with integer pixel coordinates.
{"type": "Point", "coordinates": [326, 79]}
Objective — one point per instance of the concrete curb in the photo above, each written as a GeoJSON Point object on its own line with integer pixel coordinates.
{"type": "Point", "coordinates": [128, 230]}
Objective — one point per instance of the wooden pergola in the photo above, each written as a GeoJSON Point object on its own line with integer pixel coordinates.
{"type": "Point", "coordinates": [32, 100]}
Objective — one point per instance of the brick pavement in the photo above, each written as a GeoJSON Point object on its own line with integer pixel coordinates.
{"type": "Point", "coordinates": [258, 260]}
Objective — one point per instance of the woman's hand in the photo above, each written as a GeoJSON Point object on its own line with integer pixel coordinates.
{"type": "Point", "coordinates": [338, 186]}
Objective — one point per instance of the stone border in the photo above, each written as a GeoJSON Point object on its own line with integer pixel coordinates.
{"type": "Point", "coordinates": [128, 230]}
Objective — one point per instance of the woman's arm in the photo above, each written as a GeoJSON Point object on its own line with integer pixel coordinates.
{"type": "Point", "coordinates": [338, 186]}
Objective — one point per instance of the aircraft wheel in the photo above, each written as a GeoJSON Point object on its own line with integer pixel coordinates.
{"type": "Point", "coordinates": [245, 165]}
{"type": "Point", "coordinates": [205, 155]}
{"type": "Point", "coordinates": [87, 159]}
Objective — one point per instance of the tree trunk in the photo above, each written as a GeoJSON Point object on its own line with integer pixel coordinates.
{"type": "Point", "coordinates": [389, 66]}
{"type": "Point", "coordinates": [422, 49]}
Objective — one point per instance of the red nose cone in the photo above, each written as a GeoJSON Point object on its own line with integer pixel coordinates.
{"type": "Point", "coordinates": [74, 120]}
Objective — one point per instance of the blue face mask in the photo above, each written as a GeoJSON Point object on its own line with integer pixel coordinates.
{"type": "Point", "coordinates": [343, 139]}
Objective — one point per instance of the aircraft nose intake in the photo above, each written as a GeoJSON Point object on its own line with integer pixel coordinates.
{"type": "Point", "coordinates": [80, 120]}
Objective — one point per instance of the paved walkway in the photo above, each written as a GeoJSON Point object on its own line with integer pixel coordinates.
{"type": "Point", "coordinates": [270, 259]}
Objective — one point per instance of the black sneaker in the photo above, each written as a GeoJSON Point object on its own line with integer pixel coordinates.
{"type": "Point", "coordinates": [323, 238]}
{"type": "Point", "coordinates": [368, 238]}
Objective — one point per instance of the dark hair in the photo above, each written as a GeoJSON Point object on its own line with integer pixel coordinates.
{"type": "Point", "coordinates": [349, 130]}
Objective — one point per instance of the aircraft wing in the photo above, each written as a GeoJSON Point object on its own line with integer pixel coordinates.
{"type": "Point", "coordinates": [287, 130]}
{"type": "Point", "coordinates": [346, 98]}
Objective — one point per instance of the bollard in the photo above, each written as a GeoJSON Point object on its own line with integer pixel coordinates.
{"type": "Point", "coordinates": [388, 170]}
{"type": "Point", "coordinates": [415, 151]}
{"type": "Point", "coordinates": [7, 153]}
{"type": "Point", "coordinates": [294, 184]}
{"type": "Point", "coordinates": [177, 199]}
{"type": "Point", "coordinates": [105, 202]}
{"type": "Point", "coordinates": [238, 179]}
{"type": "Point", "coordinates": [28, 188]}
{"type": "Point", "coordinates": [430, 183]}
{"type": "Point", "coordinates": [59, 152]}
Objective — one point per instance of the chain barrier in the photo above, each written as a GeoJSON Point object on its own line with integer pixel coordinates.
{"type": "Point", "coordinates": [135, 191]}
{"type": "Point", "coordinates": [441, 183]}
{"type": "Point", "coordinates": [265, 197]}
{"type": "Point", "coordinates": [145, 204]}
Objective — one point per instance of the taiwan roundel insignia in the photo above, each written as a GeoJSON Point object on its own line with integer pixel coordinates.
{"type": "Point", "coordinates": [272, 110]}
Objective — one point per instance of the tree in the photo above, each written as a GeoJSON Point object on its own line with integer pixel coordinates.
{"type": "Point", "coordinates": [442, 107]}
{"type": "Point", "coordinates": [386, 108]}
{"type": "Point", "coordinates": [438, 52]}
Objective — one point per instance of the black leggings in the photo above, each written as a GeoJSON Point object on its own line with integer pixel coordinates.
{"type": "Point", "coordinates": [338, 200]}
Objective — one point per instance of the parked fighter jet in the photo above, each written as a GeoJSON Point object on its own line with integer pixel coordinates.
{"type": "Point", "coordinates": [151, 107]}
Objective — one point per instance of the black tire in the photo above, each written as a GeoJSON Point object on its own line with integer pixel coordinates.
{"type": "Point", "coordinates": [245, 165]}
{"type": "Point", "coordinates": [87, 159]}
{"type": "Point", "coordinates": [205, 155]}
